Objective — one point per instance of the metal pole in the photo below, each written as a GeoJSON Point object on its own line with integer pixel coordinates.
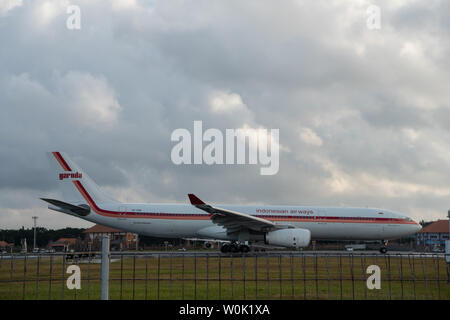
{"type": "Point", "coordinates": [105, 268]}
{"type": "Point", "coordinates": [447, 250]}
{"type": "Point", "coordinates": [34, 242]}
{"type": "Point", "coordinates": [447, 243]}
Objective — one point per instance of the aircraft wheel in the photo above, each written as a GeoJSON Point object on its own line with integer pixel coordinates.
{"type": "Point", "coordinates": [234, 248]}
{"type": "Point", "coordinates": [225, 248]}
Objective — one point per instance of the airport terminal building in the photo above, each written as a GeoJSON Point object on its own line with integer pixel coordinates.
{"type": "Point", "coordinates": [433, 235]}
{"type": "Point", "coordinates": [120, 240]}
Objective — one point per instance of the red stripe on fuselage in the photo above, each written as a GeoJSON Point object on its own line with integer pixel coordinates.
{"type": "Point", "coordinates": [116, 214]}
{"type": "Point", "coordinates": [170, 216]}
{"type": "Point", "coordinates": [89, 200]}
{"type": "Point", "coordinates": [61, 161]}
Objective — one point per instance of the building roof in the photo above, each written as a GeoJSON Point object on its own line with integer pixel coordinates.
{"type": "Point", "coordinates": [57, 244]}
{"type": "Point", "coordinates": [67, 240]}
{"type": "Point", "coordinates": [63, 242]}
{"type": "Point", "coordinates": [440, 226]}
{"type": "Point", "coordinates": [98, 228]}
{"type": "Point", "coordinates": [5, 244]}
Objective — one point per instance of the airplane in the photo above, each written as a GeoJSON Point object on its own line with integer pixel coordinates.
{"type": "Point", "coordinates": [237, 226]}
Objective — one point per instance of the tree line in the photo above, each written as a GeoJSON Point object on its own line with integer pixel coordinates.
{"type": "Point", "coordinates": [43, 235]}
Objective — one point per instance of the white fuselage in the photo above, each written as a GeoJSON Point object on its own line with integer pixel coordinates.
{"type": "Point", "coordinates": [186, 221]}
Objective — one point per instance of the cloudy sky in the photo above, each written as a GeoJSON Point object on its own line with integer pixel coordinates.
{"type": "Point", "coordinates": [363, 113]}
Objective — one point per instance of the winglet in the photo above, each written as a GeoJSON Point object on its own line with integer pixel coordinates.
{"type": "Point", "coordinates": [194, 199]}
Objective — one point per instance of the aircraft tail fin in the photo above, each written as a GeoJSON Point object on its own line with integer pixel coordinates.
{"type": "Point", "coordinates": [77, 187]}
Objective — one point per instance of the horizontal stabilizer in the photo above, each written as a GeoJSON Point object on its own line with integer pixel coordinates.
{"type": "Point", "coordinates": [82, 210]}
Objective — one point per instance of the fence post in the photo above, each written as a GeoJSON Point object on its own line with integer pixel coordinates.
{"type": "Point", "coordinates": [105, 268]}
{"type": "Point", "coordinates": [447, 255]}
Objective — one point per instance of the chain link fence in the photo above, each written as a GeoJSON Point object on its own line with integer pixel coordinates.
{"type": "Point", "coordinates": [206, 275]}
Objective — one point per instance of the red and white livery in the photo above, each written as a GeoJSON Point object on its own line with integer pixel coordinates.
{"type": "Point", "coordinates": [288, 226]}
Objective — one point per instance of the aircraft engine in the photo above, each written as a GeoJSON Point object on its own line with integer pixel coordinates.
{"type": "Point", "coordinates": [294, 237]}
{"type": "Point", "coordinates": [208, 245]}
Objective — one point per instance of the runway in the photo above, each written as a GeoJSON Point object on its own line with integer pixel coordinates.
{"type": "Point", "coordinates": [205, 253]}
{"type": "Point", "coordinates": [283, 253]}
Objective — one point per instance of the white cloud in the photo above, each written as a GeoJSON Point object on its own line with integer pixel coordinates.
{"type": "Point", "coordinates": [92, 101]}
{"type": "Point", "coordinates": [224, 102]}
{"type": "Point", "coordinates": [45, 11]}
{"type": "Point", "coordinates": [8, 5]}
{"type": "Point", "coordinates": [124, 4]}
{"type": "Point", "coordinates": [369, 184]}
{"type": "Point", "coordinates": [374, 106]}
{"type": "Point", "coordinates": [308, 136]}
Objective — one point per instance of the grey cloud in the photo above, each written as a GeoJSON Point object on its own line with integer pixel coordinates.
{"type": "Point", "coordinates": [308, 65]}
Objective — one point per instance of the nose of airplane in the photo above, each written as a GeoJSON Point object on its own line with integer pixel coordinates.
{"type": "Point", "coordinates": [418, 227]}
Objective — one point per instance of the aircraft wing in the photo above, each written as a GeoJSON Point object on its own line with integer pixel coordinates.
{"type": "Point", "coordinates": [234, 221]}
{"type": "Point", "coordinates": [79, 210]}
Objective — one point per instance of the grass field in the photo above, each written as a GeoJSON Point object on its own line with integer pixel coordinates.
{"type": "Point", "coordinates": [219, 277]}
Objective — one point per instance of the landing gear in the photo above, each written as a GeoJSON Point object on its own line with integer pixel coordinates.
{"type": "Point", "coordinates": [383, 249]}
{"type": "Point", "coordinates": [234, 248]}
{"type": "Point", "coordinates": [225, 248]}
